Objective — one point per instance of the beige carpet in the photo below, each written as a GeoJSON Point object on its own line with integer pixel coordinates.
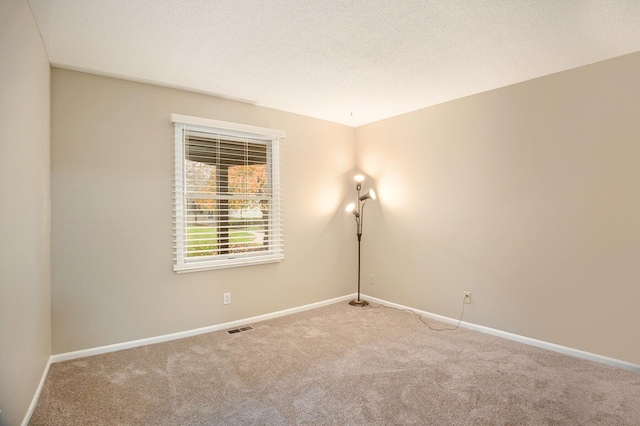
{"type": "Point", "coordinates": [338, 365]}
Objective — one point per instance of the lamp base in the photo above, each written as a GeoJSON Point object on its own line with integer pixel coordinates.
{"type": "Point", "coordinates": [359, 303]}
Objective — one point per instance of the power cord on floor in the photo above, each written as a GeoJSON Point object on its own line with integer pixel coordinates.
{"type": "Point", "coordinates": [370, 306]}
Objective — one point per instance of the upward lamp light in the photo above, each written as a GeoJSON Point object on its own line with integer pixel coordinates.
{"type": "Point", "coordinates": [357, 209]}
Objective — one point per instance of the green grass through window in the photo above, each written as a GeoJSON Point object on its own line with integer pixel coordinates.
{"type": "Point", "coordinates": [238, 238]}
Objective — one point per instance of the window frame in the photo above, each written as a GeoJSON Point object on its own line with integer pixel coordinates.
{"type": "Point", "coordinates": [271, 138]}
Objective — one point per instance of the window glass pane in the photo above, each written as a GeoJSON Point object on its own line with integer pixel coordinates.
{"type": "Point", "coordinates": [202, 236]}
{"type": "Point", "coordinates": [227, 207]}
{"type": "Point", "coordinates": [247, 216]}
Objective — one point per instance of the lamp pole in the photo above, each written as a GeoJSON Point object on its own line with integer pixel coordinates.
{"type": "Point", "coordinates": [358, 212]}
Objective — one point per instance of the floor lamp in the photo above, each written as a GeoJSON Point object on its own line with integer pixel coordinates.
{"type": "Point", "coordinates": [357, 209]}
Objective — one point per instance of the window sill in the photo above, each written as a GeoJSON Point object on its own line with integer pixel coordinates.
{"type": "Point", "coordinates": [226, 263]}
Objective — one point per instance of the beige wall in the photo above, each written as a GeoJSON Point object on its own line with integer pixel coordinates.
{"type": "Point", "coordinates": [112, 154]}
{"type": "Point", "coordinates": [527, 196]}
{"type": "Point", "coordinates": [25, 326]}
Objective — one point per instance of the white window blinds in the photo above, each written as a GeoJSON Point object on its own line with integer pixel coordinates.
{"type": "Point", "coordinates": [227, 196]}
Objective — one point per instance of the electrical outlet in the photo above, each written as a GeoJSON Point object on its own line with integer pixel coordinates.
{"type": "Point", "coordinates": [373, 279]}
{"type": "Point", "coordinates": [467, 297]}
{"type": "Point", "coordinates": [227, 298]}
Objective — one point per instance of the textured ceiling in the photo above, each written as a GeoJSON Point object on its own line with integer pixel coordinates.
{"type": "Point", "coordinates": [351, 62]}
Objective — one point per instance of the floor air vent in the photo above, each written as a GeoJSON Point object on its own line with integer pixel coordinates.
{"type": "Point", "coordinates": [238, 330]}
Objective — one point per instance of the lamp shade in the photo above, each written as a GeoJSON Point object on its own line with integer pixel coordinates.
{"type": "Point", "coordinates": [371, 194]}
{"type": "Point", "coordinates": [351, 208]}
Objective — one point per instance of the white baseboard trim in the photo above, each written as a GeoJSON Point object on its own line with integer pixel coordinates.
{"type": "Point", "coordinates": [36, 396]}
{"type": "Point", "coordinates": [239, 323]}
{"type": "Point", "coordinates": [516, 337]}
{"type": "Point", "coordinates": [188, 333]}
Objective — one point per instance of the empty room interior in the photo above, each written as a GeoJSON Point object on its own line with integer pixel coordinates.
{"type": "Point", "coordinates": [498, 145]}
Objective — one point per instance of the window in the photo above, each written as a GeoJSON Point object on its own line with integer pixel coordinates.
{"type": "Point", "coordinates": [226, 196]}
